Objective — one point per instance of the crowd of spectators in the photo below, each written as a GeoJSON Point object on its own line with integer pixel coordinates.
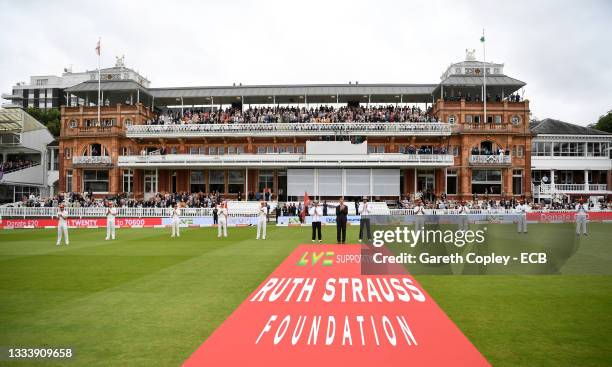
{"type": "Point", "coordinates": [488, 151]}
{"type": "Point", "coordinates": [323, 114]}
{"type": "Point", "coordinates": [211, 200]}
{"type": "Point", "coordinates": [14, 165]}
{"type": "Point", "coordinates": [514, 98]}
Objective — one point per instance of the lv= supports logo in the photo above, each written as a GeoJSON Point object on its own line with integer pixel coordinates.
{"type": "Point", "coordinates": [308, 314]}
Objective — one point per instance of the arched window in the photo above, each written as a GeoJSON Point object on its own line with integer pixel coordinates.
{"type": "Point", "coordinates": [95, 150]}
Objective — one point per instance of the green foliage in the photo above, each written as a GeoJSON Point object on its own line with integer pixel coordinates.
{"type": "Point", "coordinates": [49, 117]}
{"type": "Point", "coordinates": [604, 123]}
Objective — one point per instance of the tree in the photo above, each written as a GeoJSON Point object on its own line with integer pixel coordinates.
{"type": "Point", "coordinates": [49, 117]}
{"type": "Point", "coordinates": [604, 123]}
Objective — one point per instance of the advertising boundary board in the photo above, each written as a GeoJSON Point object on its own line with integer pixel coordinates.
{"type": "Point", "coordinates": [316, 309]}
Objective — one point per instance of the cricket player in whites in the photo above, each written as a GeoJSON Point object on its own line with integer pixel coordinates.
{"type": "Point", "coordinates": [522, 209]}
{"type": "Point", "coordinates": [463, 211]}
{"type": "Point", "coordinates": [176, 221]}
{"type": "Point", "coordinates": [262, 219]}
{"type": "Point", "coordinates": [419, 219]}
{"type": "Point", "coordinates": [581, 218]}
{"type": "Point", "coordinates": [111, 213]}
{"type": "Point", "coordinates": [222, 226]}
{"type": "Point", "coordinates": [62, 225]}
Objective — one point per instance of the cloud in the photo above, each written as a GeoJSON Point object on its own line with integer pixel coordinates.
{"type": "Point", "coordinates": [557, 47]}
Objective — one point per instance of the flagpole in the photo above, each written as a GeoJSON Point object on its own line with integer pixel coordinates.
{"type": "Point", "coordinates": [484, 73]}
{"type": "Point", "coordinates": [99, 90]}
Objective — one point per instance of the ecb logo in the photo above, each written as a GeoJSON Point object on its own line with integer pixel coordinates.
{"type": "Point", "coordinates": [312, 258]}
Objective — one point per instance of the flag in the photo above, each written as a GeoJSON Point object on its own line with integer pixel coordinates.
{"type": "Point", "coordinates": [482, 38]}
{"type": "Point", "coordinates": [98, 48]}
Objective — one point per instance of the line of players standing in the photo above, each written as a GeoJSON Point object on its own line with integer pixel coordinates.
{"type": "Point", "coordinates": [220, 219]}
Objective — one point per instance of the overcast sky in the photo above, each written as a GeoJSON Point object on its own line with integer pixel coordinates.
{"type": "Point", "coordinates": [561, 49]}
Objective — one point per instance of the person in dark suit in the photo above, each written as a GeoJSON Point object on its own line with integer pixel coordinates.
{"type": "Point", "coordinates": [341, 218]}
{"type": "Point", "coordinates": [215, 215]}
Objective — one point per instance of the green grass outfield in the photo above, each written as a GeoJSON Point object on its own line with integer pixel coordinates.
{"type": "Point", "coordinates": [148, 300]}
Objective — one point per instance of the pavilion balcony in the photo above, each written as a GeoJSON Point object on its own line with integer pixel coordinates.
{"type": "Point", "coordinates": [547, 189]}
{"type": "Point", "coordinates": [490, 160]}
{"type": "Point", "coordinates": [85, 160]}
{"type": "Point", "coordinates": [290, 129]}
{"type": "Point", "coordinates": [11, 96]}
{"type": "Point", "coordinates": [287, 160]}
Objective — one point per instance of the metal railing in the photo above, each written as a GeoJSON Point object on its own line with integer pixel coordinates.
{"type": "Point", "coordinates": [93, 212]}
{"type": "Point", "coordinates": [91, 160]}
{"type": "Point", "coordinates": [492, 159]}
{"type": "Point", "coordinates": [389, 159]}
{"type": "Point", "coordinates": [15, 169]}
{"type": "Point", "coordinates": [290, 129]}
{"type": "Point", "coordinates": [568, 188]}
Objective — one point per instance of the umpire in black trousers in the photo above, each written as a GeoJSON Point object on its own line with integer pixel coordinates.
{"type": "Point", "coordinates": [341, 218]}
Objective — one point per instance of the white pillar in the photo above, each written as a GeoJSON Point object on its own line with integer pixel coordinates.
{"type": "Point", "coordinates": [246, 184]}
{"type": "Point", "coordinates": [586, 180]}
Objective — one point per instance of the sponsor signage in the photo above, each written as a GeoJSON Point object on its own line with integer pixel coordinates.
{"type": "Point", "coordinates": [80, 222]}
{"type": "Point", "coordinates": [317, 309]}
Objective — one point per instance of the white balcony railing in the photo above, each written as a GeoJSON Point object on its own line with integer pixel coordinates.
{"type": "Point", "coordinates": [91, 160]}
{"type": "Point", "coordinates": [546, 189]}
{"type": "Point", "coordinates": [490, 159]}
{"type": "Point", "coordinates": [290, 129]}
{"type": "Point", "coordinates": [287, 160]}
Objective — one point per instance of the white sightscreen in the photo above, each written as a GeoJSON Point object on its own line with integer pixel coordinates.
{"type": "Point", "coordinates": [330, 182]}
{"type": "Point", "coordinates": [386, 182]}
{"type": "Point", "coordinates": [357, 182]}
{"type": "Point", "coordinates": [300, 181]}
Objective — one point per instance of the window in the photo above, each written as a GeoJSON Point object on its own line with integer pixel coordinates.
{"type": "Point", "coordinates": [95, 180]}
{"type": "Point", "coordinates": [402, 149]}
{"type": "Point", "coordinates": [290, 149]}
{"type": "Point", "coordinates": [216, 180]}
{"type": "Point", "coordinates": [236, 181]}
{"type": "Point", "coordinates": [452, 119]}
{"type": "Point", "coordinates": [67, 153]}
{"type": "Point", "coordinates": [380, 149]}
{"type": "Point", "coordinates": [266, 180]}
{"type": "Point", "coordinates": [127, 122]}
{"type": "Point", "coordinates": [41, 82]}
{"type": "Point", "coordinates": [24, 191]}
{"type": "Point", "coordinates": [128, 180]}
{"type": "Point", "coordinates": [597, 149]}
{"type": "Point", "coordinates": [518, 151]}
{"type": "Point", "coordinates": [261, 150]}
{"type": "Point", "coordinates": [150, 181]}
{"type": "Point", "coordinates": [469, 119]}
{"type": "Point", "coordinates": [126, 151]}
{"type": "Point", "coordinates": [221, 150]}
{"type": "Point", "coordinates": [486, 182]}
{"type": "Point", "coordinates": [451, 182]}
{"type": "Point", "coordinates": [371, 149]}
{"type": "Point", "coordinates": [193, 150]}
{"type": "Point", "coordinates": [515, 120]}
{"type": "Point", "coordinates": [270, 149]}
{"type": "Point", "coordinates": [568, 149]}
{"type": "Point", "coordinates": [282, 149]}
{"type": "Point", "coordinates": [489, 119]}
{"type": "Point", "coordinates": [541, 148]}
{"type": "Point", "coordinates": [212, 150]}
{"type": "Point", "coordinates": [498, 119]}
{"type": "Point", "coordinates": [300, 149]}
{"type": "Point", "coordinates": [69, 180]}
{"type": "Point", "coordinates": [517, 182]}
{"type": "Point", "coordinates": [231, 150]}
{"type": "Point", "coordinates": [477, 119]}
{"type": "Point", "coordinates": [197, 183]}
{"type": "Point", "coordinates": [239, 150]}
{"type": "Point", "coordinates": [454, 150]}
